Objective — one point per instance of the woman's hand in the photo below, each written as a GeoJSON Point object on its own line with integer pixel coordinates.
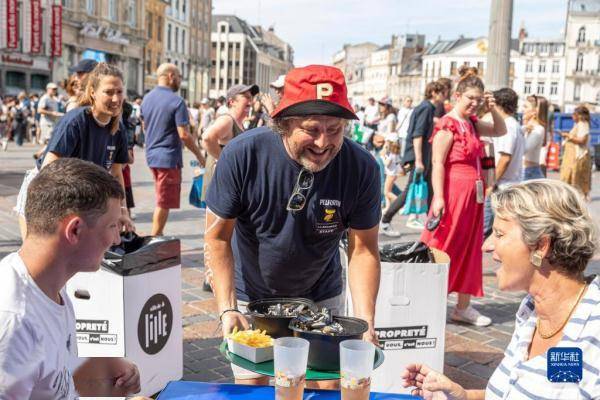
{"type": "Point", "coordinates": [430, 384]}
{"type": "Point", "coordinates": [437, 206]}
{"type": "Point", "coordinates": [489, 102]}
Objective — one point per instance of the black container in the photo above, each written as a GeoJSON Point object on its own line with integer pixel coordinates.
{"type": "Point", "coordinates": [324, 350]}
{"type": "Point", "coordinates": [275, 326]}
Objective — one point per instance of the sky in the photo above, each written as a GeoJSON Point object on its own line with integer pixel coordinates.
{"type": "Point", "coordinates": [316, 29]}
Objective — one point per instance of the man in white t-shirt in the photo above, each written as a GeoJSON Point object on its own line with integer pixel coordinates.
{"type": "Point", "coordinates": [72, 214]}
{"type": "Point", "coordinates": [403, 119]}
{"type": "Point", "coordinates": [48, 110]}
{"type": "Point", "coordinates": [508, 150]}
{"type": "Point", "coordinates": [372, 114]}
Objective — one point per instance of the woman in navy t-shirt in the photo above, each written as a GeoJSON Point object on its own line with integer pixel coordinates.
{"type": "Point", "coordinates": [92, 132]}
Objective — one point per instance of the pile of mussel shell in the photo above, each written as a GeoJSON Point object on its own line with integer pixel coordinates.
{"type": "Point", "coordinates": [318, 321]}
{"type": "Point", "coordinates": [286, 310]}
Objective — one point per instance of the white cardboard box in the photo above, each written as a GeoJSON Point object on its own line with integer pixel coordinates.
{"type": "Point", "coordinates": [137, 317]}
{"type": "Point", "coordinates": [410, 318]}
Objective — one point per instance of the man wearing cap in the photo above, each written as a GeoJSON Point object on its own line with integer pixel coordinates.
{"type": "Point", "coordinates": [226, 127]}
{"type": "Point", "coordinates": [166, 124]}
{"type": "Point", "coordinates": [48, 108]}
{"type": "Point", "coordinates": [282, 198]}
{"type": "Point", "coordinates": [207, 114]}
{"type": "Point", "coordinates": [82, 69]}
{"type": "Point", "coordinates": [267, 100]}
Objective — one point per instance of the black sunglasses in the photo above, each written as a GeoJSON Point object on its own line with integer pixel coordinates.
{"type": "Point", "coordinates": [304, 182]}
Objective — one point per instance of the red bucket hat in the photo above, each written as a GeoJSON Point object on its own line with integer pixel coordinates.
{"type": "Point", "coordinates": [315, 90]}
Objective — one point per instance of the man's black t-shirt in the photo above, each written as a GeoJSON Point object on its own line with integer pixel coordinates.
{"type": "Point", "coordinates": [78, 135]}
{"type": "Point", "coordinates": [420, 125]}
{"type": "Point", "coordinates": [283, 253]}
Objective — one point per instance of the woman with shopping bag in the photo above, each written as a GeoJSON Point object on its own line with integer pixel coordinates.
{"type": "Point", "coordinates": [459, 191]}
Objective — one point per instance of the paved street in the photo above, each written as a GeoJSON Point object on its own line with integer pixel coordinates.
{"type": "Point", "coordinates": [471, 353]}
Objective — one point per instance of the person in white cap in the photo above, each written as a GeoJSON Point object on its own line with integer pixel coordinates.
{"type": "Point", "coordinates": [48, 108]}
{"type": "Point", "coordinates": [267, 100]}
{"type": "Point", "coordinates": [207, 115]}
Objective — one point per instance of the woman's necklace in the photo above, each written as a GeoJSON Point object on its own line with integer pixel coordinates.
{"type": "Point", "coordinates": [560, 328]}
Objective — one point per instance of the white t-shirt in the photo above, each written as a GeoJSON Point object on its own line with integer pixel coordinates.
{"type": "Point", "coordinates": [38, 344]}
{"type": "Point", "coordinates": [403, 121]}
{"type": "Point", "coordinates": [513, 144]}
{"type": "Point", "coordinates": [222, 110]}
{"type": "Point", "coordinates": [386, 127]}
{"type": "Point", "coordinates": [371, 113]}
{"type": "Point", "coordinates": [208, 115]}
{"type": "Point", "coordinates": [48, 103]}
{"type": "Point", "coordinates": [534, 141]}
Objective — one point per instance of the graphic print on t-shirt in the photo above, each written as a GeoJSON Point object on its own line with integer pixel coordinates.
{"type": "Point", "coordinates": [110, 149]}
{"type": "Point", "coordinates": [328, 217]}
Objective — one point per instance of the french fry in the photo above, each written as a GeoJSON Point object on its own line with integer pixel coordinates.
{"type": "Point", "coordinates": [251, 338]}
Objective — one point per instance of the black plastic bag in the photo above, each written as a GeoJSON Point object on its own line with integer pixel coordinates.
{"type": "Point", "coordinates": [407, 252]}
{"type": "Point", "coordinates": [140, 254]}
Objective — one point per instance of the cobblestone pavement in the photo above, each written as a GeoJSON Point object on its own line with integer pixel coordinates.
{"type": "Point", "coordinates": [471, 353]}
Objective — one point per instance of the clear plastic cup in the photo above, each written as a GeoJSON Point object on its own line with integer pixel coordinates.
{"type": "Point", "coordinates": [356, 365]}
{"type": "Point", "coordinates": [290, 358]}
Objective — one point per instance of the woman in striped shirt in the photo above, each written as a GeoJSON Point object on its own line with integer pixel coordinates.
{"type": "Point", "coordinates": [544, 238]}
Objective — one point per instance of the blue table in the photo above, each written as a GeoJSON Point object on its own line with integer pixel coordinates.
{"type": "Point", "coordinates": [180, 390]}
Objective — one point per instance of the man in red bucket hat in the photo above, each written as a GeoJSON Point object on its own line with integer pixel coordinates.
{"type": "Point", "coordinates": [281, 199]}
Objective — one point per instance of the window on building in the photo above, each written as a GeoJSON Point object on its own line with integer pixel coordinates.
{"type": "Point", "coordinates": [553, 88]}
{"type": "Point", "coordinates": [132, 14]}
{"type": "Point", "coordinates": [579, 63]}
{"type": "Point", "coordinates": [112, 10]}
{"type": "Point", "coordinates": [16, 79]}
{"type": "Point", "coordinates": [183, 7]}
{"type": "Point", "coordinates": [222, 28]}
{"type": "Point", "coordinates": [544, 48]}
{"type": "Point", "coordinates": [453, 70]}
{"type": "Point", "coordinates": [149, 25]}
{"type": "Point", "coordinates": [168, 37]}
{"type": "Point", "coordinates": [177, 39]}
{"type": "Point", "coordinates": [90, 7]}
{"type": "Point", "coordinates": [555, 66]}
{"type": "Point", "coordinates": [529, 66]}
{"type": "Point", "coordinates": [542, 67]}
{"type": "Point", "coordinates": [159, 29]}
{"type": "Point", "coordinates": [577, 92]}
{"type": "Point", "coordinates": [527, 87]}
{"type": "Point", "coordinates": [581, 35]}
{"type": "Point", "coordinates": [183, 48]}
{"type": "Point", "coordinates": [540, 88]}
{"type": "Point", "coordinates": [38, 82]}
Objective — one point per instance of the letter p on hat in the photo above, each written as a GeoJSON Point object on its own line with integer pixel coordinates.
{"type": "Point", "coordinates": [315, 90]}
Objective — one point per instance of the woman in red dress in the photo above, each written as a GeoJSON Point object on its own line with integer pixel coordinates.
{"type": "Point", "coordinates": [458, 191]}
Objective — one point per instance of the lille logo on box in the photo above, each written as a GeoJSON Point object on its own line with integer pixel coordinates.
{"type": "Point", "coordinates": [155, 324]}
{"type": "Point", "coordinates": [565, 364]}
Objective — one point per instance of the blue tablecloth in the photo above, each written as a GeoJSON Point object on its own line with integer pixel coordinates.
{"type": "Point", "coordinates": [181, 390]}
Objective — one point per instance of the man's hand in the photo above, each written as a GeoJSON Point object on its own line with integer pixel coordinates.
{"type": "Point", "coordinates": [371, 336]}
{"type": "Point", "coordinates": [231, 319]}
{"type": "Point", "coordinates": [127, 376]}
{"type": "Point", "coordinates": [267, 102]}
{"type": "Point", "coordinates": [126, 222]}
{"type": "Point", "coordinates": [430, 384]}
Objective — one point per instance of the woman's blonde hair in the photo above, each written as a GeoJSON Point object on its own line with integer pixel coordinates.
{"type": "Point", "coordinates": [555, 209]}
{"type": "Point", "coordinates": [93, 81]}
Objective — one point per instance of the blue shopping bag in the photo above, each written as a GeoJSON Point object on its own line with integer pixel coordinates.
{"type": "Point", "coordinates": [196, 192]}
{"type": "Point", "coordinates": [416, 198]}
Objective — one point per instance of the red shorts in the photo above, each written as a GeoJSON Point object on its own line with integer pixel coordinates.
{"type": "Point", "coordinates": [167, 186]}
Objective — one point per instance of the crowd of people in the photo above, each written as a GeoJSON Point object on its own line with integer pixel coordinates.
{"type": "Point", "coordinates": [284, 183]}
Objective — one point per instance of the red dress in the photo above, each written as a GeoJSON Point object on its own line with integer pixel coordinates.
{"type": "Point", "coordinates": [460, 232]}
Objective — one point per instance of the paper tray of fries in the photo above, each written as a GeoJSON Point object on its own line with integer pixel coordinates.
{"type": "Point", "coordinates": [253, 345]}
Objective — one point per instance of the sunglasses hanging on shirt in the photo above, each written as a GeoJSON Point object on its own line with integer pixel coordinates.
{"type": "Point", "coordinates": [297, 200]}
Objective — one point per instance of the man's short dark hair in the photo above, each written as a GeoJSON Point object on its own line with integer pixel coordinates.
{"type": "Point", "coordinates": [507, 99]}
{"type": "Point", "coordinates": [68, 186]}
{"type": "Point", "coordinates": [433, 87]}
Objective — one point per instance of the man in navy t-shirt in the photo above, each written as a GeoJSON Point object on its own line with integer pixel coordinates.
{"type": "Point", "coordinates": [281, 199]}
{"type": "Point", "coordinates": [166, 124]}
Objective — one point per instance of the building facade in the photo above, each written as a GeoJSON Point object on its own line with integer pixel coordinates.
{"type": "Point", "coordinates": [540, 69]}
{"type": "Point", "coordinates": [177, 40]}
{"type": "Point", "coordinates": [154, 24]}
{"type": "Point", "coordinates": [105, 30]}
{"type": "Point", "coordinates": [25, 45]}
{"type": "Point", "coordinates": [245, 54]}
{"type": "Point", "coordinates": [199, 53]}
{"type": "Point", "coordinates": [582, 41]}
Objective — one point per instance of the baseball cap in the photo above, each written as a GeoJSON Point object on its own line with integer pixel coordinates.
{"type": "Point", "coordinates": [279, 82]}
{"type": "Point", "coordinates": [83, 66]}
{"type": "Point", "coordinates": [385, 101]}
{"type": "Point", "coordinates": [51, 85]}
{"type": "Point", "coordinates": [238, 89]}
{"type": "Point", "coordinates": [315, 90]}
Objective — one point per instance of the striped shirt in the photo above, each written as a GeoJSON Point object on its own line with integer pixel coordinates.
{"type": "Point", "coordinates": [519, 378]}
